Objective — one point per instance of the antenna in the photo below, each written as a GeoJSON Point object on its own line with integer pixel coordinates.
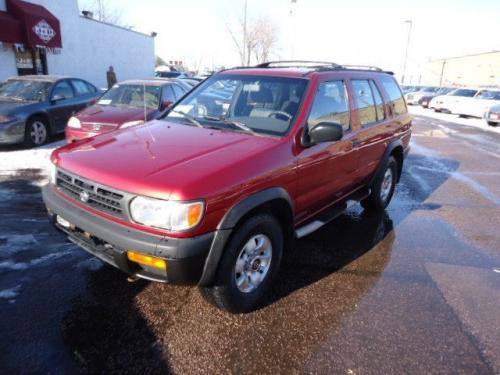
{"type": "Point", "coordinates": [145, 114]}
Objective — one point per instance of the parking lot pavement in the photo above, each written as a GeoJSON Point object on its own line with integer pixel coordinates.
{"type": "Point", "coordinates": [415, 290]}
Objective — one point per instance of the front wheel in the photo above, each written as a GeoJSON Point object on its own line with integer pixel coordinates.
{"type": "Point", "coordinates": [251, 259]}
{"type": "Point", "coordinates": [382, 188]}
{"type": "Point", "coordinates": [492, 123]}
{"type": "Point", "coordinates": [36, 133]}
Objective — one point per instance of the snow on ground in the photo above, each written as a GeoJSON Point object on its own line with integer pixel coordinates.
{"type": "Point", "coordinates": [474, 122]}
{"type": "Point", "coordinates": [12, 160]}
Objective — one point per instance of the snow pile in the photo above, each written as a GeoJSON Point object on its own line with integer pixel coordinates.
{"type": "Point", "coordinates": [36, 158]}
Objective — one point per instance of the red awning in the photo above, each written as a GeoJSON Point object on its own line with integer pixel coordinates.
{"type": "Point", "coordinates": [10, 29]}
{"type": "Point", "coordinates": [39, 26]}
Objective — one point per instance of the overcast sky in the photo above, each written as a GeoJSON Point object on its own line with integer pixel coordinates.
{"type": "Point", "coordinates": [344, 31]}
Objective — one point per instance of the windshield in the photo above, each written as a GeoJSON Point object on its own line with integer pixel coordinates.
{"type": "Point", "coordinates": [444, 91]}
{"type": "Point", "coordinates": [489, 95]}
{"type": "Point", "coordinates": [463, 92]}
{"type": "Point", "coordinates": [132, 96]}
{"type": "Point", "coordinates": [21, 90]}
{"type": "Point", "coordinates": [260, 104]}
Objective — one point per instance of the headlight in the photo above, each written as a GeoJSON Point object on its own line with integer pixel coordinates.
{"type": "Point", "coordinates": [131, 123]}
{"type": "Point", "coordinates": [5, 119]}
{"type": "Point", "coordinates": [170, 215]}
{"type": "Point", "coordinates": [52, 169]}
{"type": "Point", "coordinates": [73, 122]}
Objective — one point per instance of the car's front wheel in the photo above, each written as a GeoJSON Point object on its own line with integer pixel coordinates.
{"type": "Point", "coordinates": [492, 123]}
{"type": "Point", "coordinates": [383, 187]}
{"type": "Point", "coordinates": [250, 261]}
{"type": "Point", "coordinates": [37, 132]}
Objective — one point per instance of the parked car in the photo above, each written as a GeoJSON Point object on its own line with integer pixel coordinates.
{"type": "Point", "coordinates": [478, 105]}
{"type": "Point", "coordinates": [414, 97]}
{"type": "Point", "coordinates": [426, 99]}
{"type": "Point", "coordinates": [32, 108]}
{"type": "Point", "coordinates": [215, 195]}
{"type": "Point", "coordinates": [410, 88]}
{"type": "Point", "coordinates": [445, 103]}
{"type": "Point", "coordinates": [128, 103]}
{"type": "Point", "coordinates": [492, 116]}
{"type": "Point", "coordinates": [172, 74]}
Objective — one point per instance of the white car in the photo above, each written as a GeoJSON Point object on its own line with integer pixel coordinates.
{"type": "Point", "coordinates": [445, 103]}
{"type": "Point", "coordinates": [492, 117]}
{"type": "Point", "coordinates": [414, 97]}
{"type": "Point", "coordinates": [478, 105]}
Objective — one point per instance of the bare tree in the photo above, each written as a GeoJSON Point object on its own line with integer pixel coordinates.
{"type": "Point", "coordinates": [104, 12]}
{"type": "Point", "coordinates": [259, 40]}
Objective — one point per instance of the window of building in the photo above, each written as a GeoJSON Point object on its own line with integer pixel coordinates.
{"type": "Point", "coordinates": [395, 96]}
{"type": "Point", "coordinates": [330, 105]}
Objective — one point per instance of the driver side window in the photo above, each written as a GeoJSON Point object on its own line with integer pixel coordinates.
{"type": "Point", "coordinates": [330, 105]}
{"type": "Point", "coordinates": [63, 89]}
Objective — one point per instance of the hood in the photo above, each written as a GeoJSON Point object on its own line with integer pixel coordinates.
{"type": "Point", "coordinates": [162, 159]}
{"type": "Point", "coordinates": [108, 114]}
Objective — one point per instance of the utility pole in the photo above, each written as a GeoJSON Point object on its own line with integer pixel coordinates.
{"type": "Point", "coordinates": [410, 22]}
{"type": "Point", "coordinates": [245, 34]}
{"type": "Point", "coordinates": [442, 73]}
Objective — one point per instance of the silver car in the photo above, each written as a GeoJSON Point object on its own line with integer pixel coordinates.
{"type": "Point", "coordinates": [32, 108]}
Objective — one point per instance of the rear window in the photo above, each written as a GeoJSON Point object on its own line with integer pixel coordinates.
{"type": "Point", "coordinates": [395, 96]}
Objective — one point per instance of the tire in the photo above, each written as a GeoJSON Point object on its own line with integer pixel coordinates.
{"type": "Point", "coordinates": [238, 294]}
{"type": "Point", "coordinates": [492, 123]}
{"type": "Point", "coordinates": [383, 188]}
{"type": "Point", "coordinates": [36, 132]}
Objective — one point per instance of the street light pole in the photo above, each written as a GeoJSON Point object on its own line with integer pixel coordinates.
{"type": "Point", "coordinates": [410, 22]}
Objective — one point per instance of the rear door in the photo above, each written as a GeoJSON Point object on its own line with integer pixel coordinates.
{"type": "Point", "coordinates": [375, 126]}
{"type": "Point", "coordinates": [326, 170]}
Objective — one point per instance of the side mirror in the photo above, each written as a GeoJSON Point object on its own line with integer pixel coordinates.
{"type": "Point", "coordinates": [165, 105]}
{"type": "Point", "coordinates": [326, 132]}
{"type": "Point", "coordinates": [57, 98]}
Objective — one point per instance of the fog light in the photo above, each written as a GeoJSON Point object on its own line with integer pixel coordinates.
{"type": "Point", "coordinates": [147, 260]}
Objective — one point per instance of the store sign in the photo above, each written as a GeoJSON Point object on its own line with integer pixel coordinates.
{"type": "Point", "coordinates": [44, 31]}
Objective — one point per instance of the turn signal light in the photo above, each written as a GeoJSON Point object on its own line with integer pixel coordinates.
{"type": "Point", "coordinates": [147, 260]}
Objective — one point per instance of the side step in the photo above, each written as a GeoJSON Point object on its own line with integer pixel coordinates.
{"type": "Point", "coordinates": [328, 215]}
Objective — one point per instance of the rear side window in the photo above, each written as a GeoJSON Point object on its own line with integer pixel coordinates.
{"type": "Point", "coordinates": [379, 103]}
{"type": "Point", "coordinates": [395, 96]}
{"type": "Point", "coordinates": [167, 94]}
{"type": "Point", "coordinates": [363, 99]}
{"type": "Point", "coordinates": [178, 91]}
{"type": "Point", "coordinates": [330, 105]}
{"type": "Point", "coordinates": [81, 88]}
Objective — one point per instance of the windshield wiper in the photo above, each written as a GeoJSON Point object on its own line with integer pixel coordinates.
{"type": "Point", "coordinates": [189, 117]}
{"type": "Point", "coordinates": [235, 124]}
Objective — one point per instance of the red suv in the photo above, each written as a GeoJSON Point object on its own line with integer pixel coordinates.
{"type": "Point", "coordinates": [215, 192]}
{"type": "Point", "coordinates": [128, 103]}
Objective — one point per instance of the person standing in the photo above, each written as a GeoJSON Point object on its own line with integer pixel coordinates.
{"type": "Point", "coordinates": [111, 77]}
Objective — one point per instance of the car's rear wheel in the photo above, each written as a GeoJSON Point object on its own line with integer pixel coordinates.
{"type": "Point", "coordinates": [383, 188]}
{"type": "Point", "coordinates": [36, 132]}
{"type": "Point", "coordinates": [250, 261]}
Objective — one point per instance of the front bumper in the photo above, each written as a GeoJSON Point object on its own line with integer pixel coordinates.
{"type": "Point", "coordinates": [12, 133]}
{"type": "Point", "coordinates": [110, 241]}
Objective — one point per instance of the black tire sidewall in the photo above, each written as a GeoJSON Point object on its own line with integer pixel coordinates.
{"type": "Point", "coordinates": [27, 133]}
{"type": "Point", "coordinates": [236, 300]}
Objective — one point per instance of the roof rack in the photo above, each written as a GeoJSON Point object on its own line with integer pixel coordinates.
{"type": "Point", "coordinates": [297, 63]}
{"type": "Point", "coordinates": [319, 65]}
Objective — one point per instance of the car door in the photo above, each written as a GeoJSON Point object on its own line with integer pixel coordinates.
{"type": "Point", "coordinates": [326, 171]}
{"type": "Point", "coordinates": [375, 127]}
{"type": "Point", "coordinates": [83, 94]}
{"type": "Point", "coordinates": [62, 104]}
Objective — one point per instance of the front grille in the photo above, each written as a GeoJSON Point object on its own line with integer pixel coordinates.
{"type": "Point", "coordinates": [91, 193]}
{"type": "Point", "coordinates": [97, 126]}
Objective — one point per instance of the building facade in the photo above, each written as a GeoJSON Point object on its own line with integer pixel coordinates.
{"type": "Point", "coordinates": [52, 37]}
{"type": "Point", "coordinates": [482, 69]}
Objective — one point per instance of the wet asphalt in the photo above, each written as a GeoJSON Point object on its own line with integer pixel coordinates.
{"type": "Point", "coordinates": [415, 290]}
